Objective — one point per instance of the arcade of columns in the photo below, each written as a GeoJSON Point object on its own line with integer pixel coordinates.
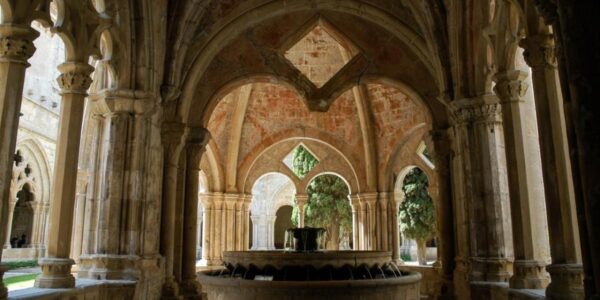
{"type": "Point", "coordinates": [488, 211]}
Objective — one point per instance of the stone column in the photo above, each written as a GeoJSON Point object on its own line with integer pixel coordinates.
{"type": "Point", "coordinates": [230, 203]}
{"type": "Point", "coordinates": [370, 203]}
{"type": "Point", "coordinates": [172, 134]}
{"type": "Point", "coordinates": [566, 270]}
{"type": "Point", "coordinates": [301, 201]}
{"type": "Point", "coordinates": [195, 147]}
{"type": "Point", "coordinates": [394, 208]}
{"type": "Point", "coordinates": [11, 213]}
{"type": "Point", "coordinates": [383, 209]}
{"type": "Point", "coordinates": [218, 226]}
{"type": "Point", "coordinates": [354, 202]}
{"type": "Point", "coordinates": [530, 237]}
{"type": "Point", "coordinates": [79, 216]}
{"type": "Point", "coordinates": [480, 128]}
{"type": "Point", "coordinates": [16, 47]}
{"type": "Point", "coordinates": [207, 228]}
{"type": "Point", "coordinates": [247, 229]}
{"type": "Point", "coordinates": [239, 228]}
{"type": "Point", "coordinates": [56, 266]}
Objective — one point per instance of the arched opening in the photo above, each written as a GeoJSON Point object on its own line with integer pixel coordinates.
{"type": "Point", "coordinates": [270, 192]}
{"type": "Point", "coordinates": [22, 225]}
{"type": "Point", "coordinates": [283, 221]}
{"type": "Point", "coordinates": [416, 218]}
{"type": "Point", "coordinates": [329, 207]}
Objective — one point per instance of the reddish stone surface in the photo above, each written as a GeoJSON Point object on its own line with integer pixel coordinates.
{"type": "Point", "coordinates": [394, 114]}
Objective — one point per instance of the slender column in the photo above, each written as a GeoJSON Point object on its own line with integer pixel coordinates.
{"type": "Point", "coordinates": [11, 213]}
{"type": "Point", "coordinates": [16, 47]}
{"type": "Point", "coordinates": [480, 128]}
{"type": "Point", "coordinates": [217, 228]}
{"type": "Point", "coordinates": [566, 270]}
{"type": "Point", "coordinates": [79, 215]}
{"type": "Point", "coordinates": [171, 137]}
{"type": "Point", "coordinates": [196, 145]}
{"type": "Point", "coordinates": [230, 203]}
{"type": "Point", "coordinates": [56, 267]}
{"type": "Point", "coordinates": [355, 228]}
{"type": "Point", "coordinates": [247, 229]}
{"type": "Point", "coordinates": [239, 229]}
{"type": "Point", "coordinates": [370, 203]}
{"type": "Point", "coordinates": [207, 226]}
{"type": "Point", "coordinates": [529, 222]}
{"type": "Point", "coordinates": [301, 200]}
{"type": "Point", "coordinates": [383, 209]}
{"type": "Point", "coordinates": [363, 230]}
{"type": "Point", "coordinates": [395, 207]}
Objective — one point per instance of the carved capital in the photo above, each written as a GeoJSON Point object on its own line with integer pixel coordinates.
{"type": "Point", "coordinates": [16, 43]}
{"type": "Point", "coordinates": [74, 78]}
{"type": "Point", "coordinates": [511, 86]}
{"type": "Point", "coordinates": [478, 112]}
{"type": "Point", "coordinates": [540, 51]}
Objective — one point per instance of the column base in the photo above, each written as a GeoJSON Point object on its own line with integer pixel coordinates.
{"type": "Point", "coordinates": [567, 281]}
{"type": "Point", "coordinates": [491, 269]}
{"type": "Point", "coordinates": [56, 273]}
{"type": "Point", "coordinates": [529, 274]}
{"type": "Point", "coordinates": [191, 289]}
{"type": "Point", "coordinates": [111, 267]}
{"type": "Point", "coordinates": [171, 290]}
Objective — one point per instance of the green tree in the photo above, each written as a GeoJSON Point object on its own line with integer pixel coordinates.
{"type": "Point", "coordinates": [416, 212]}
{"type": "Point", "coordinates": [328, 205]}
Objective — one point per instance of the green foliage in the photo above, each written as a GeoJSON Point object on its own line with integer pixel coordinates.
{"type": "Point", "coordinates": [303, 162]}
{"type": "Point", "coordinates": [405, 257]}
{"type": "Point", "coordinates": [17, 264]}
{"type": "Point", "coordinates": [328, 203]}
{"type": "Point", "coordinates": [19, 279]}
{"type": "Point", "coordinates": [416, 211]}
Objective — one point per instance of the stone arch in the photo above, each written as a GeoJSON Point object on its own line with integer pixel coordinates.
{"type": "Point", "coordinates": [41, 173]}
{"type": "Point", "coordinates": [310, 179]}
{"type": "Point", "coordinates": [202, 62]}
{"type": "Point", "coordinates": [341, 150]}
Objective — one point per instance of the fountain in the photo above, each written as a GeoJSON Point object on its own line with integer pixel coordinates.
{"type": "Point", "coordinates": [304, 271]}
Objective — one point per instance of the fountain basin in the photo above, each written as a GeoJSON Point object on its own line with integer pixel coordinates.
{"type": "Point", "coordinates": [309, 275]}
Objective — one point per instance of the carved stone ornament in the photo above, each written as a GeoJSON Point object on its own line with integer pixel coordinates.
{"type": "Point", "coordinates": [540, 51]}
{"type": "Point", "coordinates": [77, 82]}
{"type": "Point", "coordinates": [511, 86]}
{"type": "Point", "coordinates": [488, 113]}
{"type": "Point", "coordinates": [16, 49]}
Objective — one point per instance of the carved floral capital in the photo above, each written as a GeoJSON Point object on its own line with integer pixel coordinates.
{"type": "Point", "coordinates": [540, 51]}
{"type": "Point", "coordinates": [16, 49]}
{"type": "Point", "coordinates": [74, 78]}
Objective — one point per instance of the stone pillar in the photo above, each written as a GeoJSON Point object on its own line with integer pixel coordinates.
{"type": "Point", "coordinates": [218, 225]}
{"type": "Point", "coordinates": [354, 203]}
{"type": "Point", "coordinates": [383, 209]}
{"type": "Point", "coordinates": [79, 216]}
{"type": "Point", "coordinates": [528, 210]}
{"type": "Point", "coordinates": [16, 47]}
{"type": "Point", "coordinates": [195, 147]}
{"type": "Point", "coordinates": [11, 213]}
{"type": "Point", "coordinates": [207, 230]}
{"type": "Point", "coordinates": [172, 134]}
{"type": "Point", "coordinates": [566, 270]}
{"type": "Point", "coordinates": [247, 229]}
{"type": "Point", "coordinates": [301, 201]}
{"type": "Point", "coordinates": [369, 201]}
{"type": "Point", "coordinates": [231, 204]}
{"type": "Point", "coordinates": [481, 140]}
{"type": "Point", "coordinates": [394, 206]}
{"type": "Point", "coordinates": [56, 267]}
{"type": "Point", "coordinates": [363, 227]}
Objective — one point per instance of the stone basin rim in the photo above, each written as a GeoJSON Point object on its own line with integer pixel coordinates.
{"type": "Point", "coordinates": [205, 278]}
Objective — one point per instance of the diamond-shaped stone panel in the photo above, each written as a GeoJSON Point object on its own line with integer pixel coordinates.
{"type": "Point", "coordinates": [318, 55]}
